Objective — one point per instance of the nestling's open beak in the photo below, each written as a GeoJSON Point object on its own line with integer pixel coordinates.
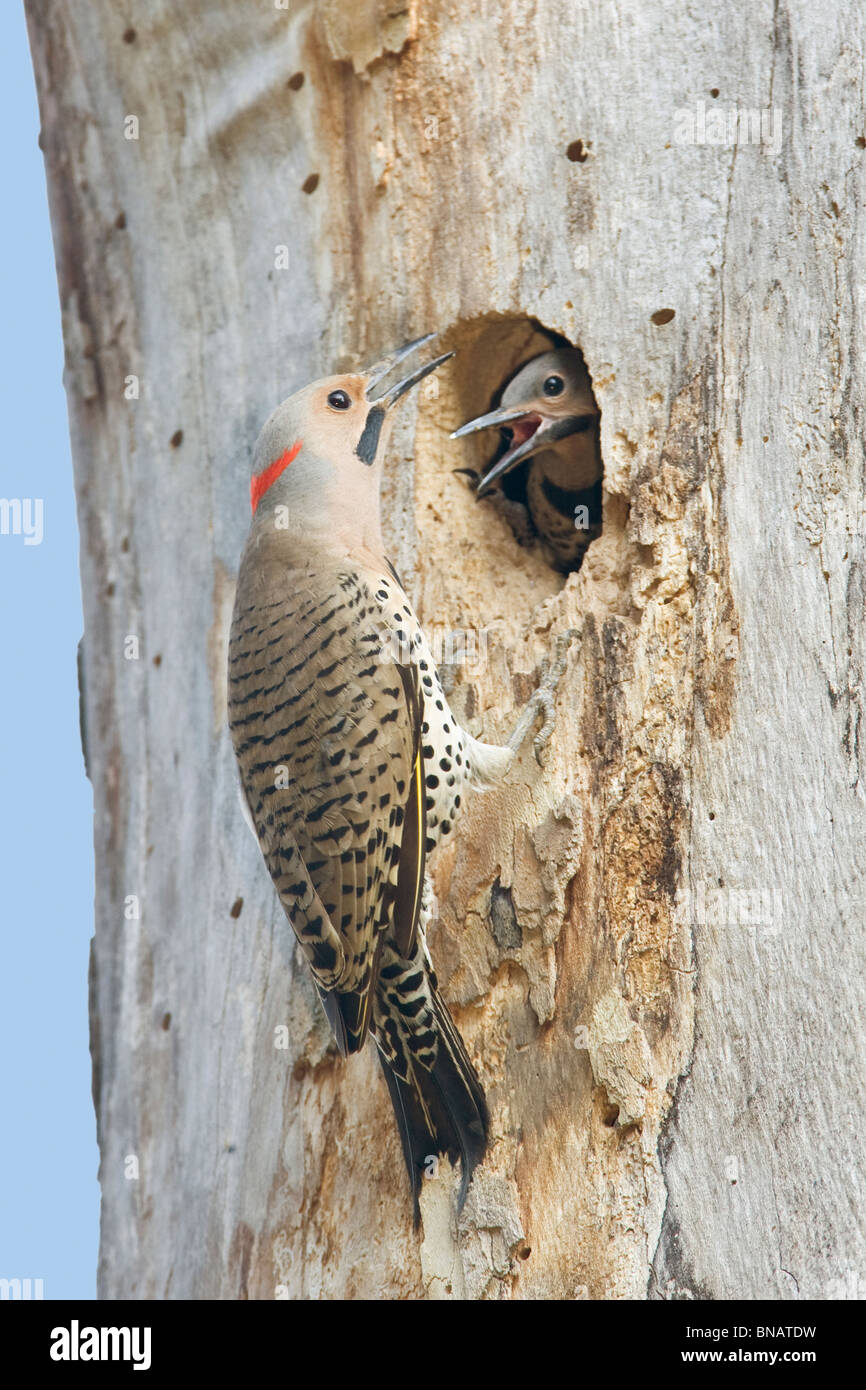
{"type": "Point", "coordinates": [531, 431]}
{"type": "Point", "coordinates": [388, 397]}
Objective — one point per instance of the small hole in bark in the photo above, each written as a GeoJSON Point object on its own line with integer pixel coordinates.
{"type": "Point", "coordinates": [577, 153]}
{"type": "Point", "coordinates": [310, 184]}
{"type": "Point", "coordinates": [296, 81]}
{"type": "Point", "coordinates": [157, 660]}
{"type": "Point", "coordinates": [120, 221]}
{"type": "Point", "coordinates": [109, 591]}
{"type": "Point", "coordinates": [176, 439]}
{"type": "Point", "coordinates": [860, 142]}
{"type": "Point", "coordinates": [551, 494]}
{"type": "Point", "coordinates": [714, 91]}
{"type": "Point", "coordinates": [166, 1022]}
{"type": "Point", "coordinates": [611, 1115]}
{"type": "Point", "coordinates": [712, 815]}
{"type": "Point", "coordinates": [236, 907]}
{"type": "Point", "coordinates": [129, 36]}
{"type": "Point", "coordinates": [524, 1252]}
{"type": "Point", "coordinates": [124, 545]}
{"type": "Point", "coordinates": [662, 316]}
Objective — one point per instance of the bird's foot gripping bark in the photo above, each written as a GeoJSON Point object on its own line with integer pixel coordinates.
{"type": "Point", "coordinates": [543, 699]}
{"type": "Point", "coordinates": [518, 518]}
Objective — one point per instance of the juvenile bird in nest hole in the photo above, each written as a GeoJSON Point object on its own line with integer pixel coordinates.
{"type": "Point", "coordinates": [352, 765]}
{"type": "Point", "coordinates": [550, 424]}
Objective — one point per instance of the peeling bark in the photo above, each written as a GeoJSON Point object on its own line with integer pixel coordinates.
{"type": "Point", "coordinates": [650, 945]}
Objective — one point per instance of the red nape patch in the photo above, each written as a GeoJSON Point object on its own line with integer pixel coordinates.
{"type": "Point", "coordinates": [260, 482]}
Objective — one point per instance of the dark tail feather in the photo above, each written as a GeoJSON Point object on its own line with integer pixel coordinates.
{"type": "Point", "coordinates": [348, 1017]}
{"type": "Point", "coordinates": [450, 1094]}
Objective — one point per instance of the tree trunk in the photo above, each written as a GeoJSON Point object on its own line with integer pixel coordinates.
{"type": "Point", "coordinates": [651, 943]}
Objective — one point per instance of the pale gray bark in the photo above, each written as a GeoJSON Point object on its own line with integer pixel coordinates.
{"type": "Point", "coordinates": [677, 1091]}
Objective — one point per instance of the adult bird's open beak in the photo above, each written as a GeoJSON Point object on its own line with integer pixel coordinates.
{"type": "Point", "coordinates": [531, 431]}
{"type": "Point", "coordinates": [377, 374]}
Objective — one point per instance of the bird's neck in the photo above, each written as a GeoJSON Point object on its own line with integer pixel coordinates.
{"type": "Point", "coordinates": [573, 463]}
{"type": "Point", "coordinates": [291, 535]}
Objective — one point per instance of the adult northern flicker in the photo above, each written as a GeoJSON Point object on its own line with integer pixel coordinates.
{"type": "Point", "coordinates": [351, 763]}
{"type": "Point", "coordinates": [550, 417]}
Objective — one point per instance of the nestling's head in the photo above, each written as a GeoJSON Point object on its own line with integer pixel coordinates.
{"type": "Point", "coordinates": [549, 399]}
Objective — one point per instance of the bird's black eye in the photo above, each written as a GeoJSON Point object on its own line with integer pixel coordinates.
{"type": "Point", "coordinates": [554, 386]}
{"type": "Point", "coordinates": [339, 400]}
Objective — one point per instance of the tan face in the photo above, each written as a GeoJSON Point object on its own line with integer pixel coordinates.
{"type": "Point", "coordinates": [337, 425]}
{"type": "Point", "coordinates": [319, 455]}
{"type": "Point", "coordinates": [319, 461]}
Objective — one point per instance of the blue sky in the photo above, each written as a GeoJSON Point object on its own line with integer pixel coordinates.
{"type": "Point", "coordinates": [49, 1197]}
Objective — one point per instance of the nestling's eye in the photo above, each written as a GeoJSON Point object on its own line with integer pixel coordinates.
{"type": "Point", "coordinates": [554, 386]}
{"type": "Point", "coordinates": [339, 400]}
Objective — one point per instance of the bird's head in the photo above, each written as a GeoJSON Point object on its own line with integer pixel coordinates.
{"type": "Point", "coordinates": [320, 453]}
{"type": "Point", "coordinates": [547, 400]}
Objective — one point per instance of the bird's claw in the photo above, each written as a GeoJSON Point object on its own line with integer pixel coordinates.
{"type": "Point", "coordinates": [551, 675]}
{"type": "Point", "coordinates": [544, 698]}
{"type": "Point", "coordinates": [544, 702]}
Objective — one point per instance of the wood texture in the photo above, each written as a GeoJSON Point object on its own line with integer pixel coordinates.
{"type": "Point", "coordinates": [653, 946]}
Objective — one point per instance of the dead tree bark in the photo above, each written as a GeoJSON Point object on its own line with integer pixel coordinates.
{"type": "Point", "coordinates": [652, 945]}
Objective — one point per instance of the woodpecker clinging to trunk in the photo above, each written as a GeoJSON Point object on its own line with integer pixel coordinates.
{"type": "Point", "coordinates": [352, 765]}
{"type": "Point", "coordinates": [550, 417]}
